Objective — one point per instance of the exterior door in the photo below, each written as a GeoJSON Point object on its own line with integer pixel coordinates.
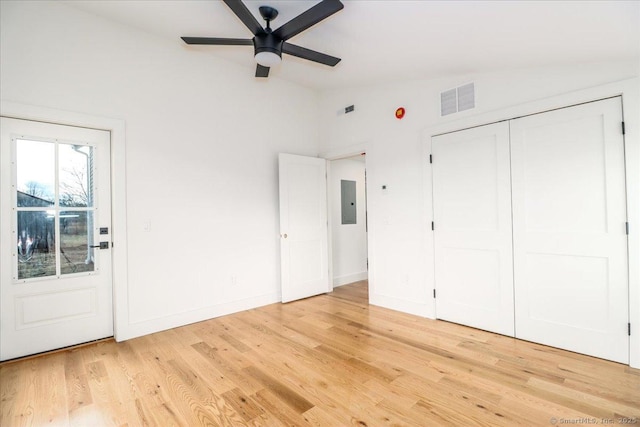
{"type": "Point", "coordinates": [303, 227]}
{"type": "Point", "coordinates": [570, 242]}
{"type": "Point", "coordinates": [472, 233]}
{"type": "Point", "coordinates": [55, 275]}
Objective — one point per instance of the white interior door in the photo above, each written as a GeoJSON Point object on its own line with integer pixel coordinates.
{"type": "Point", "coordinates": [55, 285]}
{"type": "Point", "coordinates": [472, 213]}
{"type": "Point", "coordinates": [303, 227]}
{"type": "Point", "coordinates": [570, 244]}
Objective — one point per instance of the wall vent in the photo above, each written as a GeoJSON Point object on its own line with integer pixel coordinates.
{"type": "Point", "coordinates": [448, 102]}
{"type": "Point", "coordinates": [459, 99]}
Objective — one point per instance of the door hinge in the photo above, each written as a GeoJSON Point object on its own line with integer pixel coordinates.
{"type": "Point", "coordinates": [430, 158]}
{"type": "Point", "coordinates": [434, 293]}
{"type": "Point", "coordinates": [624, 131]}
{"type": "Point", "coordinates": [629, 328]}
{"type": "Point", "coordinates": [433, 226]}
{"type": "Point", "coordinates": [626, 227]}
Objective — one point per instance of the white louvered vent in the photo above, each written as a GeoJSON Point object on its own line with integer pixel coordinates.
{"type": "Point", "coordinates": [459, 99]}
{"type": "Point", "coordinates": [448, 103]}
{"type": "Point", "coordinates": [466, 97]}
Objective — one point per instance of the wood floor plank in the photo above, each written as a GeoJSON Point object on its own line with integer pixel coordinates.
{"type": "Point", "coordinates": [319, 417]}
{"type": "Point", "coordinates": [104, 394]}
{"type": "Point", "coordinates": [242, 404]}
{"type": "Point", "coordinates": [327, 381]}
{"type": "Point", "coordinates": [247, 384]}
{"type": "Point", "coordinates": [272, 404]}
{"type": "Point", "coordinates": [331, 360]}
{"type": "Point", "coordinates": [50, 383]}
{"type": "Point", "coordinates": [295, 401]}
{"type": "Point", "coordinates": [13, 386]}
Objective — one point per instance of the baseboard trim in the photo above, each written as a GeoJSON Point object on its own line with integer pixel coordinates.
{"type": "Point", "coordinates": [349, 278]}
{"type": "Point", "coordinates": [405, 306]}
{"type": "Point", "coordinates": [150, 326]}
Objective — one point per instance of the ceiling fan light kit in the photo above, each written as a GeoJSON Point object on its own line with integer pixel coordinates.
{"type": "Point", "coordinates": [268, 59]}
{"type": "Point", "coordinates": [269, 44]}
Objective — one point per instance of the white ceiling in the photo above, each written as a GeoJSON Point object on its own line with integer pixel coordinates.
{"type": "Point", "coordinates": [384, 41]}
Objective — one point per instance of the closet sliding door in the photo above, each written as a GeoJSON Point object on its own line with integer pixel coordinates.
{"type": "Point", "coordinates": [570, 243]}
{"type": "Point", "coordinates": [472, 214]}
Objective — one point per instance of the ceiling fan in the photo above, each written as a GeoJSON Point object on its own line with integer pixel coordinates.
{"type": "Point", "coordinates": [269, 44]}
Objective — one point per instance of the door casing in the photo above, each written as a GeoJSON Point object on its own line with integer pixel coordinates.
{"type": "Point", "coordinates": [123, 330]}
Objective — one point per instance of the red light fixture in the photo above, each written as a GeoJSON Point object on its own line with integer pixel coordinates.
{"type": "Point", "coordinates": [400, 113]}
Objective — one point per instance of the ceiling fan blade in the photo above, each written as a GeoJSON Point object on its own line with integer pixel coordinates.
{"type": "Point", "coordinates": [245, 16]}
{"type": "Point", "coordinates": [317, 13]}
{"type": "Point", "coordinates": [217, 41]}
{"type": "Point", "coordinates": [262, 71]}
{"type": "Point", "coordinates": [309, 54]}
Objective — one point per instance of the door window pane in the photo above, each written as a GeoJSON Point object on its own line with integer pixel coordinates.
{"type": "Point", "coordinates": [54, 208]}
{"type": "Point", "coordinates": [75, 175]}
{"type": "Point", "coordinates": [35, 173]}
{"type": "Point", "coordinates": [76, 237]}
{"type": "Point", "coordinates": [36, 246]}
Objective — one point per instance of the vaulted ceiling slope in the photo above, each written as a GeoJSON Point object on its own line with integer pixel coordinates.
{"type": "Point", "coordinates": [385, 41]}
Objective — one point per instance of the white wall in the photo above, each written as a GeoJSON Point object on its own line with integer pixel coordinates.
{"type": "Point", "coordinates": [201, 164]}
{"type": "Point", "coordinates": [348, 241]}
{"type": "Point", "coordinates": [400, 236]}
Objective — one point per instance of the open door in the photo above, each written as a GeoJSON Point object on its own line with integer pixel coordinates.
{"type": "Point", "coordinates": [303, 227]}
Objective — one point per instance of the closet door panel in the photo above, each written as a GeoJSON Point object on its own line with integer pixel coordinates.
{"type": "Point", "coordinates": [472, 237]}
{"type": "Point", "coordinates": [570, 243]}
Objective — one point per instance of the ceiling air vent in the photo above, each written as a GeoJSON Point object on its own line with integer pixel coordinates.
{"type": "Point", "coordinates": [459, 99]}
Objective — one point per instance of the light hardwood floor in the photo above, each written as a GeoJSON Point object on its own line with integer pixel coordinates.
{"type": "Point", "coordinates": [330, 360]}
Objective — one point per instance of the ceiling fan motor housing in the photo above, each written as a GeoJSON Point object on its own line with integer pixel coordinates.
{"type": "Point", "coordinates": [267, 42]}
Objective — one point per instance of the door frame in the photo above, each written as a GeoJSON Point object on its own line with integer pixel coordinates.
{"type": "Point", "coordinates": [629, 89]}
{"type": "Point", "coordinates": [330, 205]}
{"type": "Point", "coordinates": [339, 154]}
{"type": "Point", "coordinates": [116, 127]}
